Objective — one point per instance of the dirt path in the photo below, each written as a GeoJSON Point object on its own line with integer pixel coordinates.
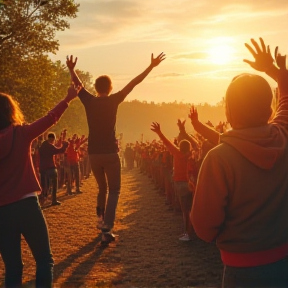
{"type": "Point", "coordinates": [147, 252]}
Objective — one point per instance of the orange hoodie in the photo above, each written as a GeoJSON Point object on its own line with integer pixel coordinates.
{"type": "Point", "coordinates": [241, 198]}
{"type": "Point", "coordinates": [180, 160]}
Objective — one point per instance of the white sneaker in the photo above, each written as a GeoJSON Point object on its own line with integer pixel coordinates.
{"type": "Point", "coordinates": [100, 222]}
{"type": "Point", "coordinates": [184, 237]}
{"type": "Point", "coordinates": [107, 238]}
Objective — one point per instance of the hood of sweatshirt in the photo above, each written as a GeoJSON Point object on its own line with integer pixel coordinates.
{"type": "Point", "coordinates": [6, 141]}
{"type": "Point", "coordinates": [262, 145]}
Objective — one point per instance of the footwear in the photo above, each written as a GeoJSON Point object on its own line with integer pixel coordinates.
{"type": "Point", "coordinates": [100, 222]}
{"type": "Point", "coordinates": [184, 237]}
{"type": "Point", "coordinates": [106, 228]}
{"type": "Point", "coordinates": [107, 237]}
{"type": "Point", "coordinates": [78, 192]}
{"type": "Point", "coordinates": [56, 203]}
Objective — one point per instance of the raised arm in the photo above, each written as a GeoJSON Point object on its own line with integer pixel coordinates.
{"type": "Point", "coordinates": [184, 135]}
{"type": "Point", "coordinates": [208, 133]}
{"type": "Point", "coordinates": [155, 127]}
{"type": "Point", "coordinates": [38, 127]}
{"type": "Point", "coordinates": [265, 63]}
{"type": "Point", "coordinates": [74, 77]}
{"type": "Point", "coordinates": [263, 60]}
{"type": "Point", "coordinates": [154, 62]}
{"type": "Point", "coordinates": [281, 116]}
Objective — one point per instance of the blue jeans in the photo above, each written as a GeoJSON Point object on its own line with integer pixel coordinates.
{"type": "Point", "coordinates": [273, 275]}
{"type": "Point", "coordinates": [107, 171]}
{"type": "Point", "coordinates": [25, 218]}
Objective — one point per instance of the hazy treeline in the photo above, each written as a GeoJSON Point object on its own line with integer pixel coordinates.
{"type": "Point", "coordinates": [135, 118]}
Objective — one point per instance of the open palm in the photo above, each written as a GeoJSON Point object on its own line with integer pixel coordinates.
{"type": "Point", "coordinates": [263, 58]}
{"type": "Point", "coordinates": [70, 63]}
{"type": "Point", "coordinates": [156, 61]}
{"type": "Point", "coordinates": [155, 127]}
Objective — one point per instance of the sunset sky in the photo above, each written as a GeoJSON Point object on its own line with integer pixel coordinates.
{"type": "Point", "coordinates": [203, 40]}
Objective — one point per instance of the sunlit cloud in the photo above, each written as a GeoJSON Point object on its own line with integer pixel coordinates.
{"type": "Point", "coordinates": [108, 22]}
{"type": "Point", "coordinates": [197, 37]}
{"type": "Point", "coordinates": [192, 55]}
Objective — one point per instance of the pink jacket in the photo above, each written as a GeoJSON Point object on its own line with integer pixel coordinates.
{"type": "Point", "coordinates": [17, 175]}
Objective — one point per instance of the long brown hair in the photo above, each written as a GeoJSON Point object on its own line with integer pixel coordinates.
{"type": "Point", "coordinates": [10, 112]}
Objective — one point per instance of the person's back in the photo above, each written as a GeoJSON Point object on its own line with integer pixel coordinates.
{"type": "Point", "coordinates": [101, 113]}
{"type": "Point", "coordinates": [48, 170]}
{"type": "Point", "coordinates": [20, 214]}
{"type": "Point", "coordinates": [101, 118]}
{"type": "Point", "coordinates": [15, 164]}
{"type": "Point", "coordinates": [241, 198]}
{"type": "Point", "coordinates": [46, 156]}
{"type": "Point", "coordinates": [257, 198]}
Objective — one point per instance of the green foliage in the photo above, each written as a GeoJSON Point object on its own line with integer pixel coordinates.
{"type": "Point", "coordinates": [28, 27]}
{"type": "Point", "coordinates": [27, 34]}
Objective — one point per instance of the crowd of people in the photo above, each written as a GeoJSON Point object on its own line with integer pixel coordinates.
{"type": "Point", "coordinates": [229, 182]}
{"type": "Point", "coordinates": [173, 166]}
{"type": "Point", "coordinates": [60, 162]}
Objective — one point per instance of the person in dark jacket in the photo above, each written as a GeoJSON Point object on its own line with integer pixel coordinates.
{"type": "Point", "coordinates": [48, 170]}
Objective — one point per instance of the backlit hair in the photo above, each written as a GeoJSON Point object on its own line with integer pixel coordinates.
{"type": "Point", "coordinates": [10, 112]}
{"type": "Point", "coordinates": [184, 146]}
{"type": "Point", "coordinates": [103, 84]}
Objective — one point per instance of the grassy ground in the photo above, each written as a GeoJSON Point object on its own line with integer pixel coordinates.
{"type": "Point", "coordinates": [146, 253]}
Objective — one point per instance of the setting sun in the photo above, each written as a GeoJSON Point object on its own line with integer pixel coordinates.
{"type": "Point", "coordinates": [220, 54]}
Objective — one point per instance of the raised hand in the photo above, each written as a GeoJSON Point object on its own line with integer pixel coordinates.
{"type": "Point", "coordinates": [209, 123]}
{"type": "Point", "coordinates": [71, 93]}
{"type": "Point", "coordinates": [181, 125]}
{"type": "Point", "coordinates": [156, 61]}
{"type": "Point", "coordinates": [193, 114]}
{"type": "Point", "coordinates": [280, 59]}
{"type": "Point", "coordinates": [263, 58]}
{"type": "Point", "coordinates": [282, 77]}
{"type": "Point", "coordinates": [155, 127]}
{"type": "Point", "coordinates": [70, 63]}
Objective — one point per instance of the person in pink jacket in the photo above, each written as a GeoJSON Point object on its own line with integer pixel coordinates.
{"type": "Point", "coordinates": [20, 212]}
{"type": "Point", "coordinates": [241, 197]}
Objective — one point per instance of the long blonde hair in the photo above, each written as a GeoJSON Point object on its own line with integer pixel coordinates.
{"type": "Point", "coordinates": [10, 112]}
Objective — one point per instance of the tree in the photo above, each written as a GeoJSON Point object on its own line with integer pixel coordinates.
{"type": "Point", "coordinates": [27, 34]}
{"type": "Point", "coordinates": [28, 27]}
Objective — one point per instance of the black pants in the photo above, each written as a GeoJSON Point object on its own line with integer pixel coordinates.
{"type": "Point", "coordinates": [273, 275]}
{"type": "Point", "coordinates": [49, 177]}
{"type": "Point", "coordinates": [25, 218]}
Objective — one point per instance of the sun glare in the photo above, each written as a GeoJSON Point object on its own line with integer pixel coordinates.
{"type": "Point", "coordinates": [220, 54]}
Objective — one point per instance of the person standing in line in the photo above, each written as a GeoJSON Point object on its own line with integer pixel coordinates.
{"type": "Point", "coordinates": [73, 162]}
{"type": "Point", "coordinates": [47, 167]}
{"type": "Point", "coordinates": [101, 112]}
{"type": "Point", "coordinates": [20, 212]}
{"type": "Point", "coordinates": [181, 155]}
{"type": "Point", "coordinates": [241, 197]}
